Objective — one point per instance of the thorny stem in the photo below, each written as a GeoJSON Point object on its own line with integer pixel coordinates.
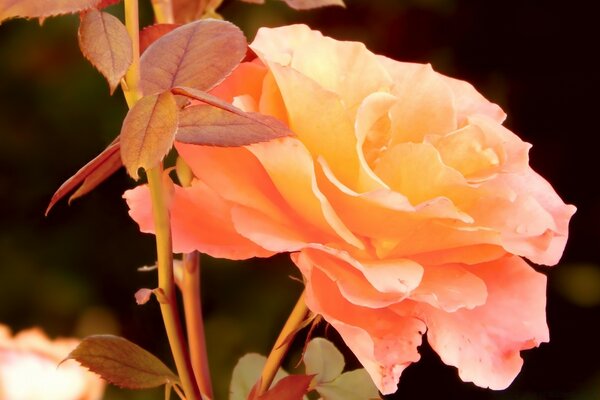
{"type": "Point", "coordinates": [166, 283]}
{"type": "Point", "coordinates": [282, 344]}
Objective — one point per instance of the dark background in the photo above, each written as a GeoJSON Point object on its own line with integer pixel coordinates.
{"type": "Point", "coordinates": [74, 272]}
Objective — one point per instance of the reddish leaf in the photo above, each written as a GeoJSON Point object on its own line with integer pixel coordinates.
{"type": "Point", "coordinates": [42, 8]}
{"type": "Point", "coordinates": [122, 362]}
{"type": "Point", "coordinates": [104, 41]}
{"type": "Point", "coordinates": [225, 130]}
{"type": "Point", "coordinates": [310, 4]}
{"type": "Point", "coordinates": [188, 10]}
{"type": "Point", "coordinates": [211, 126]}
{"type": "Point", "coordinates": [151, 33]}
{"type": "Point", "coordinates": [148, 132]}
{"type": "Point", "coordinates": [199, 55]}
{"type": "Point", "coordinates": [305, 4]}
{"type": "Point", "coordinates": [90, 175]}
{"type": "Point", "coordinates": [106, 3]}
{"type": "Point", "coordinates": [292, 387]}
{"type": "Point", "coordinates": [142, 296]}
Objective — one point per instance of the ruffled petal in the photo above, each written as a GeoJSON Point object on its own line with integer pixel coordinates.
{"type": "Point", "coordinates": [484, 343]}
{"type": "Point", "coordinates": [200, 220]}
{"type": "Point", "coordinates": [384, 342]}
{"type": "Point", "coordinates": [291, 169]}
{"type": "Point", "coordinates": [342, 67]}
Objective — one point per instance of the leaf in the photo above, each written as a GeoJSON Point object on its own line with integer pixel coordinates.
{"type": "Point", "coordinates": [42, 8]}
{"type": "Point", "coordinates": [239, 126]}
{"type": "Point", "coordinates": [152, 33]}
{"type": "Point", "coordinates": [323, 359]}
{"type": "Point", "coordinates": [143, 295]}
{"type": "Point", "coordinates": [199, 55]}
{"type": "Point", "coordinates": [106, 3]}
{"type": "Point", "coordinates": [310, 4]}
{"type": "Point", "coordinates": [122, 362]}
{"type": "Point", "coordinates": [148, 132]}
{"type": "Point", "coordinates": [211, 126]}
{"type": "Point", "coordinates": [352, 385]}
{"type": "Point", "coordinates": [104, 41]}
{"type": "Point", "coordinates": [90, 175]}
{"type": "Point", "coordinates": [305, 4]}
{"type": "Point", "coordinates": [292, 387]}
{"type": "Point", "coordinates": [246, 373]}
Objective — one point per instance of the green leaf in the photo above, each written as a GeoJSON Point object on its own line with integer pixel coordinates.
{"type": "Point", "coordinates": [122, 362]}
{"type": "Point", "coordinates": [322, 359]}
{"type": "Point", "coordinates": [352, 385]}
{"type": "Point", "coordinates": [198, 55]}
{"type": "Point", "coordinates": [246, 373]}
{"type": "Point", "coordinates": [148, 132]}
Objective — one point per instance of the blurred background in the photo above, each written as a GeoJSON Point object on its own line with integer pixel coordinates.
{"type": "Point", "coordinates": [74, 272]}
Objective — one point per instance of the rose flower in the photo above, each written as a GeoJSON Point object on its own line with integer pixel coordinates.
{"type": "Point", "coordinates": [30, 370]}
{"type": "Point", "coordinates": [403, 200]}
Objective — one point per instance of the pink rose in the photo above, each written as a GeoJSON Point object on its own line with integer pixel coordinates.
{"type": "Point", "coordinates": [404, 201]}
{"type": "Point", "coordinates": [29, 369]}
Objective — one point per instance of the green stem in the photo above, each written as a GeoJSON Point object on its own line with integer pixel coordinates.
{"type": "Point", "coordinates": [282, 344]}
{"type": "Point", "coordinates": [166, 283]}
{"type": "Point", "coordinates": [192, 304]}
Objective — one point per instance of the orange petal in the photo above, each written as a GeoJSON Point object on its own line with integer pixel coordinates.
{"type": "Point", "coordinates": [245, 79]}
{"type": "Point", "coordinates": [484, 343]}
{"type": "Point", "coordinates": [425, 104]}
{"type": "Point", "coordinates": [450, 287]}
{"type": "Point", "coordinates": [367, 283]}
{"type": "Point", "coordinates": [200, 220]}
{"type": "Point", "coordinates": [345, 68]}
{"type": "Point", "coordinates": [384, 342]}
{"type": "Point", "coordinates": [291, 169]}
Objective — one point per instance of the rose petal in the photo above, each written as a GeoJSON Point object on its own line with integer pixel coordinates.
{"type": "Point", "coordinates": [384, 342]}
{"type": "Point", "coordinates": [291, 169]}
{"type": "Point", "coordinates": [484, 343]}
{"type": "Point", "coordinates": [200, 220]}
{"type": "Point", "coordinates": [368, 283]}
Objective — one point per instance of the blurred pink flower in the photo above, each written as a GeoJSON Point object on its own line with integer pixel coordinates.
{"type": "Point", "coordinates": [404, 201]}
{"type": "Point", "coordinates": [29, 369]}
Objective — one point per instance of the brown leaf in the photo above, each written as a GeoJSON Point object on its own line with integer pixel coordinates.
{"type": "Point", "coordinates": [212, 126]}
{"type": "Point", "coordinates": [42, 8]}
{"type": "Point", "coordinates": [122, 362]}
{"type": "Point", "coordinates": [148, 132]}
{"type": "Point", "coordinates": [257, 127]}
{"type": "Point", "coordinates": [199, 55]}
{"type": "Point", "coordinates": [310, 4]}
{"type": "Point", "coordinates": [104, 41]}
{"type": "Point", "coordinates": [152, 33]}
{"type": "Point", "coordinates": [292, 387]}
{"type": "Point", "coordinates": [90, 175]}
